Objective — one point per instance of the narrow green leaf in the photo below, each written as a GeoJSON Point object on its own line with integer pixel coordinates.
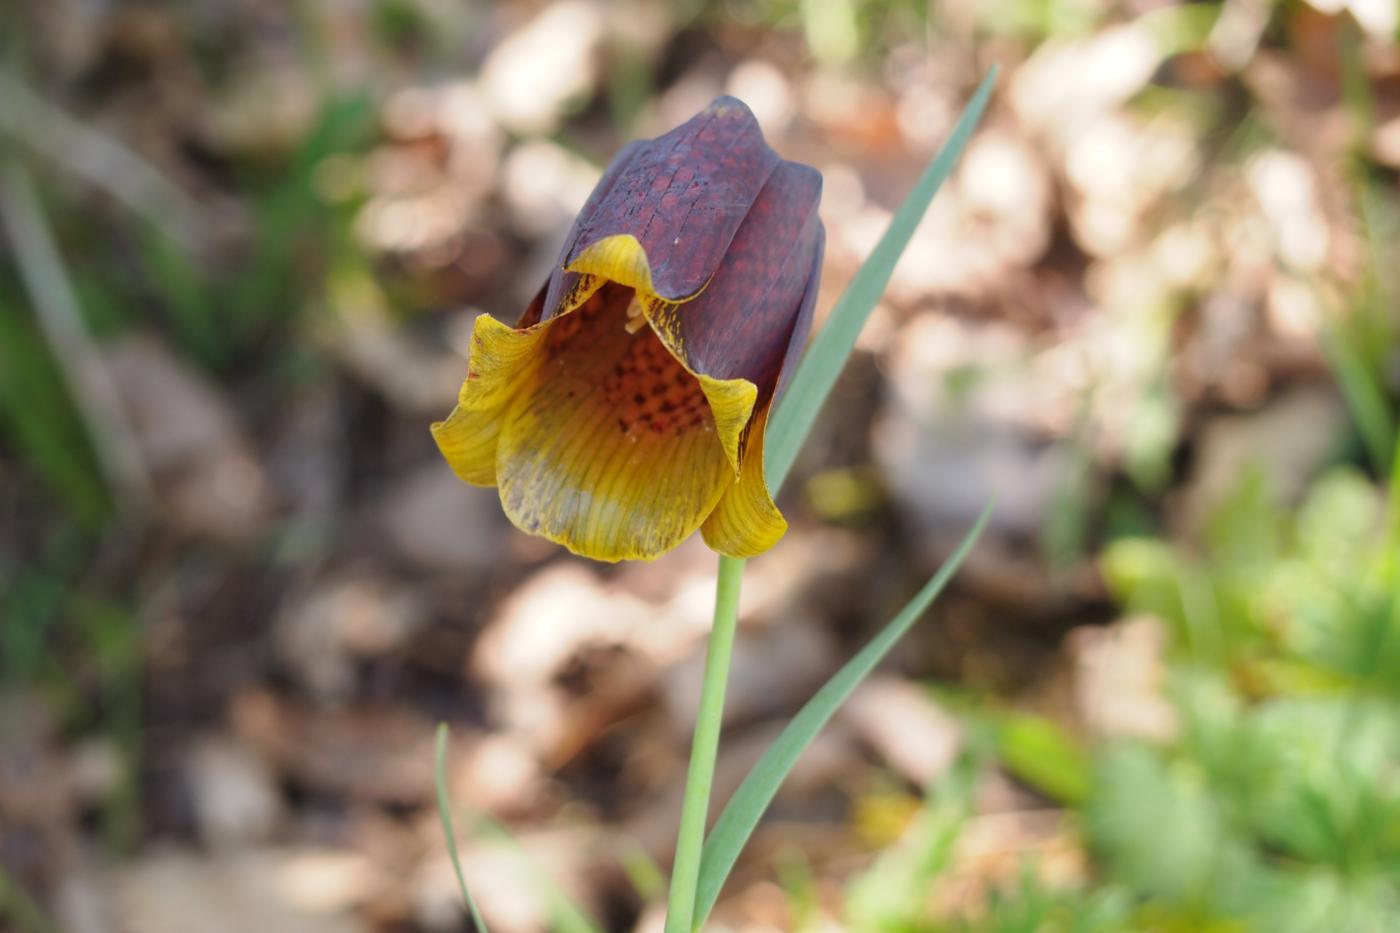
{"type": "Point", "coordinates": [564, 915]}
{"type": "Point", "coordinates": [1364, 396]}
{"type": "Point", "coordinates": [739, 818]}
{"type": "Point", "coordinates": [444, 803]}
{"type": "Point", "coordinates": [1392, 518]}
{"type": "Point", "coordinates": [824, 359]}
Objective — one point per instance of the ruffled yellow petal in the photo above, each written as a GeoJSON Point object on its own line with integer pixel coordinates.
{"type": "Point", "coordinates": [610, 447]}
{"type": "Point", "coordinates": [501, 361]}
{"type": "Point", "coordinates": [731, 404]}
{"type": "Point", "coordinates": [746, 521]}
{"type": "Point", "coordinates": [619, 259]}
{"type": "Point", "coordinates": [597, 431]}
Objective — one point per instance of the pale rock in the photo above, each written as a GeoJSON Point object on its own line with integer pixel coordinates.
{"type": "Point", "coordinates": [823, 763]}
{"type": "Point", "coordinates": [1286, 189]}
{"type": "Point", "coordinates": [1119, 679]}
{"type": "Point", "coordinates": [329, 880]}
{"type": "Point", "coordinates": [1290, 439]}
{"type": "Point", "coordinates": [477, 140]}
{"type": "Point", "coordinates": [549, 618]}
{"type": "Point", "coordinates": [944, 451]}
{"type": "Point", "coordinates": [1006, 192]}
{"type": "Point", "coordinates": [1066, 82]}
{"type": "Point", "coordinates": [175, 891]}
{"type": "Point", "coordinates": [207, 475]}
{"type": "Point", "coordinates": [904, 725]}
{"type": "Point", "coordinates": [1377, 17]}
{"type": "Point", "coordinates": [552, 619]}
{"type": "Point", "coordinates": [323, 633]}
{"type": "Point", "coordinates": [545, 186]}
{"type": "Point", "coordinates": [772, 670]}
{"type": "Point", "coordinates": [433, 520]}
{"type": "Point", "coordinates": [81, 906]}
{"type": "Point", "coordinates": [510, 880]}
{"type": "Point", "coordinates": [767, 92]}
{"type": "Point", "coordinates": [500, 775]}
{"type": "Point", "coordinates": [233, 791]}
{"type": "Point", "coordinates": [537, 72]}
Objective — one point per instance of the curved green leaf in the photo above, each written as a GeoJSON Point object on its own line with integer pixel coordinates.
{"type": "Point", "coordinates": [444, 804]}
{"type": "Point", "coordinates": [739, 818]}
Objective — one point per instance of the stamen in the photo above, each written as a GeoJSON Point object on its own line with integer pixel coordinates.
{"type": "Point", "coordinates": [636, 320]}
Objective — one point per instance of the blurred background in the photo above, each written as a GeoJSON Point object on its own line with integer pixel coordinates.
{"type": "Point", "coordinates": [1153, 313]}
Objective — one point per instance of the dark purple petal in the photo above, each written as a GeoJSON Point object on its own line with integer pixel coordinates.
{"type": "Point", "coordinates": [802, 326]}
{"type": "Point", "coordinates": [746, 320]}
{"type": "Point", "coordinates": [682, 195]}
{"type": "Point", "coordinates": [561, 282]}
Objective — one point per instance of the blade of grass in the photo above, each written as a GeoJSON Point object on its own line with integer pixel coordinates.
{"type": "Point", "coordinates": [1392, 520]}
{"type": "Point", "coordinates": [564, 915]}
{"type": "Point", "coordinates": [60, 140]}
{"type": "Point", "coordinates": [1363, 396]}
{"type": "Point", "coordinates": [704, 749]}
{"type": "Point", "coordinates": [824, 359]}
{"type": "Point", "coordinates": [77, 354]}
{"type": "Point", "coordinates": [739, 818]}
{"type": "Point", "coordinates": [444, 803]}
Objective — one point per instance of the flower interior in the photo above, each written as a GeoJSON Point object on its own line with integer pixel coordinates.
{"type": "Point", "coordinates": [597, 433]}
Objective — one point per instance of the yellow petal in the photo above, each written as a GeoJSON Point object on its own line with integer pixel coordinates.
{"type": "Point", "coordinates": [619, 259]}
{"type": "Point", "coordinates": [501, 361]}
{"type": "Point", "coordinates": [731, 404]}
{"type": "Point", "coordinates": [610, 447]}
{"type": "Point", "coordinates": [746, 521]}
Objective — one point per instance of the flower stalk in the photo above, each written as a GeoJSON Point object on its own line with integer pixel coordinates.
{"type": "Point", "coordinates": [685, 871]}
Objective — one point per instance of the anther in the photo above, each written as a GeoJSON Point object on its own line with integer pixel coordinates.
{"type": "Point", "coordinates": [636, 320]}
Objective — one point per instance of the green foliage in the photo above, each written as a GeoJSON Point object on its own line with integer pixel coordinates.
{"type": "Point", "coordinates": [1277, 590]}
{"type": "Point", "coordinates": [449, 832]}
{"type": "Point", "coordinates": [1279, 806]}
{"type": "Point", "coordinates": [1039, 752]}
{"type": "Point", "coordinates": [298, 232]}
{"type": "Point", "coordinates": [734, 826]}
{"type": "Point", "coordinates": [893, 893]}
{"type": "Point", "coordinates": [37, 416]}
{"type": "Point", "coordinates": [1280, 816]}
{"type": "Point", "coordinates": [1276, 807]}
{"type": "Point", "coordinates": [1032, 906]}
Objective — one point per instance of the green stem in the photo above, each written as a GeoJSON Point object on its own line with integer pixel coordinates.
{"type": "Point", "coordinates": [685, 873]}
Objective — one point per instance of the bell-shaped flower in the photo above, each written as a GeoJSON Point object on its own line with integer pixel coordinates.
{"type": "Point", "coordinates": [627, 408]}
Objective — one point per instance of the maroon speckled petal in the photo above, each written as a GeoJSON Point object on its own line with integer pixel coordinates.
{"type": "Point", "coordinates": [802, 326]}
{"type": "Point", "coordinates": [683, 196]}
{"type": "Point", "coordinates": [757, 307]}
{"type": "Point", "coordinates": [561, 282]}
